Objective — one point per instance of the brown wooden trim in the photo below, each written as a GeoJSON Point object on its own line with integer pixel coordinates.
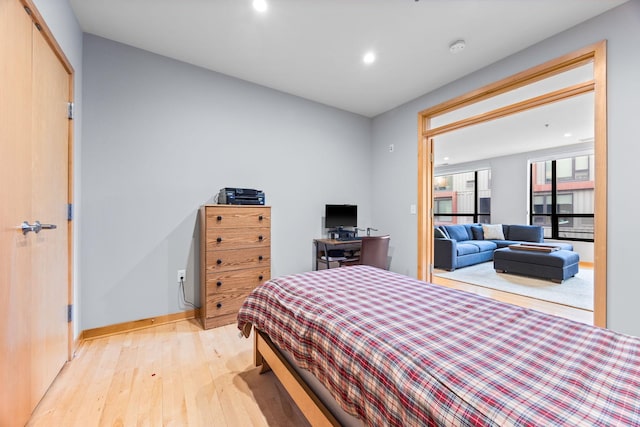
{"type": "Point", "coordinates": [595, 53]}
{"type": "Point", "coordinates": [586, 264]}
{"type": "Point", "coordinates": [425, 175]}
{"type": "Point", "coordinates": [70, 199]}
{"type": "Point", "coordinates": [310, 405]}
{"type": "Point", "coordinates": [540, 72]}
{"type": "Point", "coordinates": [600, 219]}
{"type": "Point", "coordinates": [48, 35]}
{"type": "Point", "coordinates": [137, 324]}
{"type": "Point", "coordinates": [518, 107]}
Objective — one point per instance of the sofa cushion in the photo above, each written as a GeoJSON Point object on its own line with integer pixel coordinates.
{"type": "Point", "coordinates": [457, 232]}
{"type": "Point", "coordinates": [466, 249]}
{"type": "Point", "coordinates": [525, 233]}
{"type": "Point", "coordinates": [477, 232]}
{"type": "Point", "coordinates": [483, 245]}
{"type": "Point", "coordinates": [493, 231]}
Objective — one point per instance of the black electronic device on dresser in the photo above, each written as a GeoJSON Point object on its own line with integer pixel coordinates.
{"type": "Point", "coordinates": [240, 196]}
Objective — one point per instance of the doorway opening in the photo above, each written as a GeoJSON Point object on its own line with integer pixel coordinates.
{"type": "Point", "coordinates": [490, 103]}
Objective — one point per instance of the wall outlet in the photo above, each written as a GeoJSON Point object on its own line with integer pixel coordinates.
{"type": "Point", "coordinates": [182, 275]}
{"type": "Point", "coordinates": [391, 148]}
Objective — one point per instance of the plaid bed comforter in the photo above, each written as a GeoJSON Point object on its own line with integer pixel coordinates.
{"type": "Point", "coordinates": [393, 350]}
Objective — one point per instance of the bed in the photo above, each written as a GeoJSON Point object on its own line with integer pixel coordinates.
{"type": "Point", "coordinates": [392, 350]}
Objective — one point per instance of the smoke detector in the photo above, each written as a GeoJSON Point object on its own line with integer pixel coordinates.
{"type": "Point", "coordinates": [457, 46]}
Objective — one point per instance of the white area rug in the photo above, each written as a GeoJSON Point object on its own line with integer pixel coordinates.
{"type": "Point", "coordinates": [575, 292]}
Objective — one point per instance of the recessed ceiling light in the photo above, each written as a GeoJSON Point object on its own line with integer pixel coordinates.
{"type": "Point", "coordinates": [445, 159]}
{"type": "Point", "coordinates": [567, 135]}
{"type": "Point", "coordinates": [457, 46]}
{"type": "Point", "coordinates": [260, 5]}
{"type": "Point", "coordinates": [369, 58]}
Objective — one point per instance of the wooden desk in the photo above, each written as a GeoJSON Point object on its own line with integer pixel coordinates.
{"type": "Point", "coordinates": [323, 246]}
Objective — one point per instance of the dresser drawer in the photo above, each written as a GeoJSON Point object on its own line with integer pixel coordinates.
{"type": "Point", "coordinates": [225, 305]}
{"type": "Point", "coordinates": [231, 238]}
{"type": "Point", "coordinates": [231, 281]}
{"type": "Point", "coordinates": [236, 259]}
{"type": "Point", "coordinates": [237, 217]}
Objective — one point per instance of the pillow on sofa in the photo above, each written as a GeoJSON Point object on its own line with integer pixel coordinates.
{"type": "Point", "coordinates": [526, 233]}
{"type": "Point", "coordinates": [493, 231]}
{"type": "Point", "coordinates": [457, 232]}
{"type": "Point", "coordinates": [477, 232]}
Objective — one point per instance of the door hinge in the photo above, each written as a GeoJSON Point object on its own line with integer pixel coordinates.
{"type": "Point", "coordinates": [70, 110]}
{"type": "Point", "coordinates": [70, 212]}
{"type": "Point", "coordinates": [430, 268]}
{"type": "Point", "coordinates": [69, 313]}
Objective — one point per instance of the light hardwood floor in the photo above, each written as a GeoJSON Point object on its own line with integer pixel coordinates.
{"type": "Point", "coordinates": [178, 374]}
{"type": "Point", "coordinates": [579, 315]}
{"type": "Point", "coordinates": [168, 375]}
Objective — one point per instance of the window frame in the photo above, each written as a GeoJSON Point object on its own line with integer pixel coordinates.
{"type": "Point", "coordinates": [554, 216]}
{"type": "Point", "coordinates": [449, 194]}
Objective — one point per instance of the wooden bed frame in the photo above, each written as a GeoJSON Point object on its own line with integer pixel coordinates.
{"type": "Point", "coordinates": [267, 355]}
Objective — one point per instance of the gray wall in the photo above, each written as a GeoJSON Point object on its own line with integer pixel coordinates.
{"type": "Point", "coordinates": [161, 137]}
{"type": "Point", "coordinates": [395, 180]}
{"type": "Point", "coordinates": [65, 28]}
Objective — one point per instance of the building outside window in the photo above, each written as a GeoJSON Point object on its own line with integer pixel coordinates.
{"type": "Point", "coordinates": [462, 198]}
{"type": "Point", "coordinates": [570, 182]}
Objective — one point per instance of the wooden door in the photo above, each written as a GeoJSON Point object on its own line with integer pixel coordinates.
{"type": "Point", "coordinates": [49, 200]}
{"type": "Point", "coordinates": [15, 207]}
{"type": "Point", "coordinates": [34, 185]}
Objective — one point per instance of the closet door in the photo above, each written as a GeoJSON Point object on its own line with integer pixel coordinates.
{"type": "Point", "coordinates": [15, 207]}
{"type": "Point", "coordinates": [34, 182]}
{"type": "Point", "coordinates": [49, 199]}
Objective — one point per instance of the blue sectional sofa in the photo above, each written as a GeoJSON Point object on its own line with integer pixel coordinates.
{"type": "Point", "coordinates": [462, 245]}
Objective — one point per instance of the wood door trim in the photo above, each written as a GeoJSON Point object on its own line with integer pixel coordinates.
{"type": "Point", "coordinates": [595, 53]}
{"type": "Point", "coordinates": [37, 19]}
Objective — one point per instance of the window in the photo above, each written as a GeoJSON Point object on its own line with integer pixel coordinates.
{"type": "Point", "coordinates": [462, 198]}
{"type": "Point", "coordinates": [443, 183]}
{"type": "Point", "coordinates": [443, 206]}
{"type": "Point", "coordinates": [569, 169]}
{"type": "Point", "coordinates": [562, 197]}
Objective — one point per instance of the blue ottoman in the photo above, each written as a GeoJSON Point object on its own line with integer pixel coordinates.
{"type": "Point", "coordinates": [557, 265]}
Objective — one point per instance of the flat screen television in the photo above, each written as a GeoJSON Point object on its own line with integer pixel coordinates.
{"type": "Point", "coordinates": [340, 216]}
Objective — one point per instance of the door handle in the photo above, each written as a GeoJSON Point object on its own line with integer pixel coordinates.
{"type": "Point", "coordinates": [35, 227]}
{"type": "Point", "coordinates": [45, 226]}
{"type": "Point", "coordinates": [26, 227]}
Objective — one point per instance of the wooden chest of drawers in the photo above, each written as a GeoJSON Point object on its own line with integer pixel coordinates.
{"type": "Point", "coordinates": [235, 257]}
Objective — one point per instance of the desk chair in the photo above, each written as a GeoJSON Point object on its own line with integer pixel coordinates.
{"type": "Point", "coordinates": [374, 252]}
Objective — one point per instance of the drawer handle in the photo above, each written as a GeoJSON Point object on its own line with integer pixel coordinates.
{"type": "Point", "coordinates": [219, 262]}
{"type": "Point", "coordinates": [219, 217]}
{"type": "Point", "coordinates": [219, 305]}
{"type": "Point", "coordinates": [260, 238]}
{"type": "Point", "coordinates": [218, 283]}
{"type": "Point", "coordinates": [219, 239]}
{"type": "Point", "coordinates": [260, 218]}
{"type": "Point", "coordinates": [260, 277]}
{"type": "Point", "coordinates": [260, 257]}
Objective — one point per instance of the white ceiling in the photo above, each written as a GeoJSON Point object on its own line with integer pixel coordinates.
{"type": "Point", "coordinates": [314, 49]}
